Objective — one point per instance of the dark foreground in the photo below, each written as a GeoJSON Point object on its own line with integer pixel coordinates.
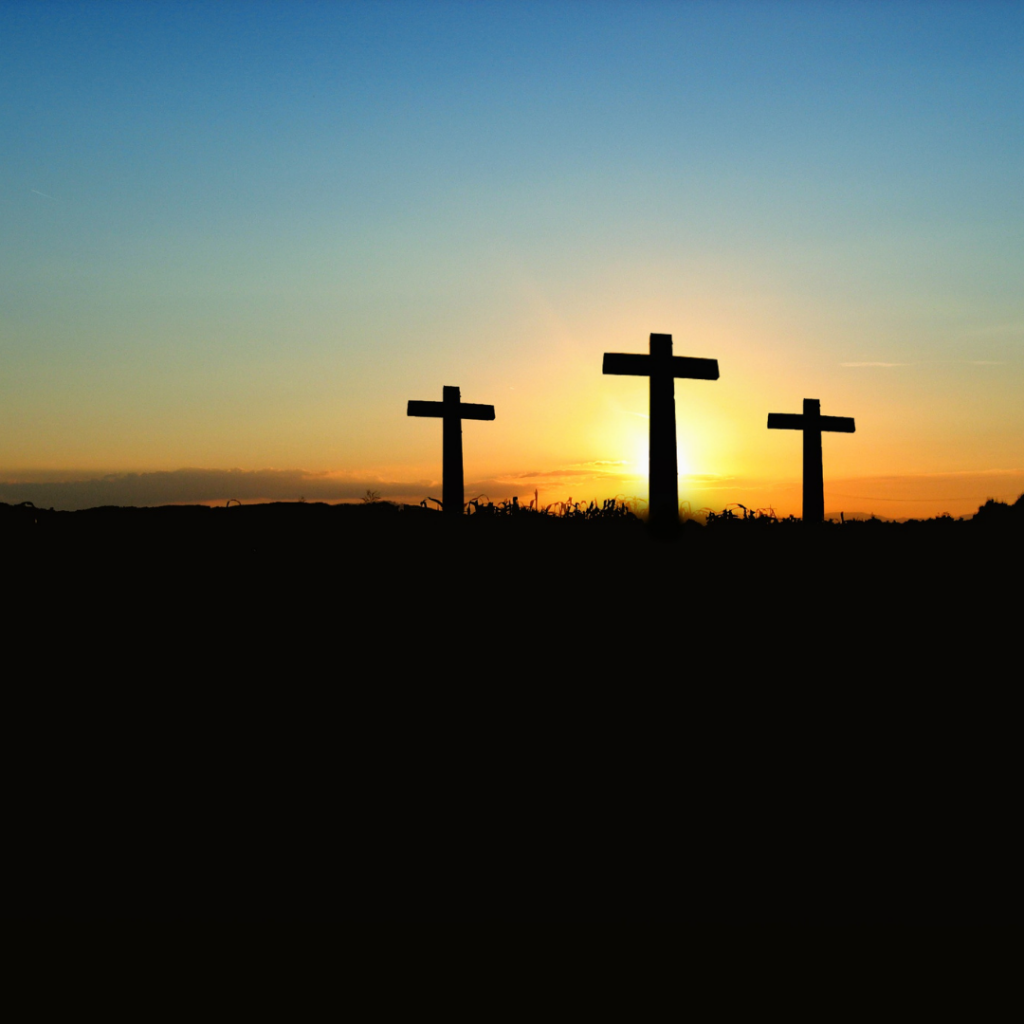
{"type": "Point", "coordinates": [299, 711]}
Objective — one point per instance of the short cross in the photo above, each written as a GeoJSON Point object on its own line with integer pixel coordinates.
{"type": "Point", "coordinates": [662, 367]}
{"type": "Point", "coordinates": [812, 423]}
{"type": "Point", "coordinates": [452, 411]}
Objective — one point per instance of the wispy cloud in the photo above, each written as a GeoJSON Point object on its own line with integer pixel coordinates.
{"type": "Point", "coordinates": [876, 364]}
{"type": "Point", "coordinates": [984, 362]}
{"type": "Point", "coordinates": [708, 478]}
{"type": "Point", "coordinates": [44, 195]}
{"type": "Point", "coordinates": [997, 330]}
{"type": "Point", "coordinates": [588, 470]}
{"type": "Point", "coordinates": [545, 473]}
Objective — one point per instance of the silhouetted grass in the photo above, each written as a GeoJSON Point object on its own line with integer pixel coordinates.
{"type": "Point", "coordinates": [289, 518]}
{"type": "Point", "coordinates": [612, 508]}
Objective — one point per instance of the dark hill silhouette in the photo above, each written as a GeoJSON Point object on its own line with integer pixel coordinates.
{"type": "Point", "coordinates": [386, 713]}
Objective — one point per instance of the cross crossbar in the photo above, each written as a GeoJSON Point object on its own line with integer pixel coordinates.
{"type": "Point", "coordinates": [465, 410]}
{"type": "Point", "coordinates": [626, 364]}
{"type": "Point", "coordinates": [659, 362]}
{"type": "Point", "coordinates": [795, 421]}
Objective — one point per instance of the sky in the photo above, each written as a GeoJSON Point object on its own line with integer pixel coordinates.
{"type": "Point", "coordinates": [237, 238]}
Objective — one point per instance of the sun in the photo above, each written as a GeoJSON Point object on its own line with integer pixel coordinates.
{"type": "Point", "coordinates": [640, 455]}
{"type": "Point", "coordinates": [684, 463]}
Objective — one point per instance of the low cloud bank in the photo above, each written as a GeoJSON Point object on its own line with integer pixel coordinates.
{"type": "Point", "coordinates": [202, 486]}
{"type": "Point", "coordinates": [208, 486]}
{"type": "Point", "coordinates": [923, 494]}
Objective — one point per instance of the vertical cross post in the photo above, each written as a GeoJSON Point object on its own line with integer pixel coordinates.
{"type": "Point", "coordinates": [664, 463]}
{"type": "Point", "coordinates": [662, 368]}
{"type": "Point", "coordinates": [814, 481]}
{"type": "Point", "coordinates": [453, 487]}
{"type": "Point", "coordinates": [452, 411]}
{"type": "Point", "coordinates": [812, 423]}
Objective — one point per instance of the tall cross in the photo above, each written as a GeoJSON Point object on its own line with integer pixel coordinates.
{"type": "Point", "coordinates": [452, 412]}
{"type": "Point", "coordinates": [662, 367]}
{"type": "Point", "coordinates": [812, 423]}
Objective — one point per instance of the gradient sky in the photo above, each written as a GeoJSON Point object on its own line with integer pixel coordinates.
{"type": "Point", "coordinates": [236, 239]}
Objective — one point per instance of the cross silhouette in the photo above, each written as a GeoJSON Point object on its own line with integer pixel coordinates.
{"type": "Point", "coordinates": [662, 367]}
{"type": "Point", "coordinates": [812, 423]}
{"type": "Point", "coordinates": [452, 411]}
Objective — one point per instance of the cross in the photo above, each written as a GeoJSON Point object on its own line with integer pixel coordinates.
{"type": "Point", "coordinates": [662, 367]}
{"type": "Point", "coordinates": [812, 423]}
{"type": "Point", "coordinates": [452, 411]}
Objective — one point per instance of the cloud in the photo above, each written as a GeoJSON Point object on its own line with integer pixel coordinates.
{"type": "Point", "coordinates": [197, 486]}
{"type": "Point", "coordinates": [998, 330]}
{"type": "Point", "coordinates": [596, 470]}
{"type": "Point", "coordinates": [602, 477]}
{"type": "Point", "coordinates": [716, 479]}
{"type": "Point", "coordinates": [71, 490]}
{"type": "Point", "coordinates": [966, 487]}
{"type": "Point", "coordinates": [539, 475]}
{"type": "Point", "coordinates": [876, 364]}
